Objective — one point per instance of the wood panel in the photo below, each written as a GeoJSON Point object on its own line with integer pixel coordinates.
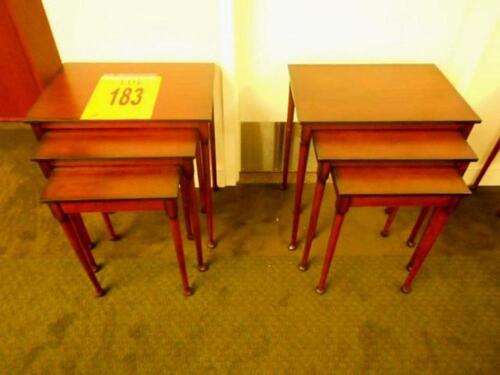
{"type": "Point", "coordinates": [28, 56]}
{"type": "Point", "coordinates": [117, 144]}
{"type": "Point", "coordinates": [18, 87]}
{"type": "Point", "coordinates": [376, 93]}
{"type": "Point", "coordinates": [410, 180]}
{"type": "Point", "coordinates": [411, 145]}
{"type": "Point", "coordinates": [37, 38]}
{"type": "Point", "coordinates": [111, 183]}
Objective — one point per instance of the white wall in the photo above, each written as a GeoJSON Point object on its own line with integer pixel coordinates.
{"type": "Point", "coordinates": [144, 30]}
{"type": "Point", "coordinates": [156, 30]}
{"type": "Point", "coordinates": [254, 40]}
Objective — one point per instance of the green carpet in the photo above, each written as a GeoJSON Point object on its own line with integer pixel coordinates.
{"type": "Point", "coordinates": [253, 312]}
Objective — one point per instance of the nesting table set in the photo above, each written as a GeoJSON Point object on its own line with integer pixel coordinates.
{"type": "Point", "coordinates": [389, 135]}
{"type": "Point", "coordinates": [128, 165]}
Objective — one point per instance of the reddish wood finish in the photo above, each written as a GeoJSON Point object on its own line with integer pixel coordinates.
{"type": "Point", "coordinates": [411, 97]}
{"type": "Point", "coordinates": [185, 100]}
{"type": "Point", "coordinates": [434, 228]}
{"type": "Point", "coordinates": [186, 203]}
{"type": "Point", "coordinates": [171, 210]}
{"type": "Point", "coordinates": [186, 92]}
{"type": "Point", "coordinates": [98, 147]}
{"type": "Point", "coordinates": [390, 218]}
{"type": "Point", "coordinates": [201, 177]}
{"type": "Point", "coordinates": [192, 212]}
{"type": "Point", "coordinates": [36, 36]}
{"type": "Point", "coordinates": [299, 186]}
{"type": "Point", "coordinates": [413, 145]}
{"type": "Point", "coordinates": [107, 189]}
{"type": "Point", "coordinates": [410, 180]}
{"type": "Point", "coordinates": [364, 186]}
{"type": "Point", "coordinates": [213, 156]}
{"type": "Point", "coordinates": [83, 245]}
{"type": "Point", "coordinates": [201, 128]}
{"type": "Point", "coordinates": [208, 198]}
{"type": "Point", "coordinates": [72, 236]}
{"type": "Point", "coordinates": [28, 56]}
{"type": "Point", "coordinates": [416, 228]}
{"type": "Point", "coordinates": [288, 139]}
{"type": "Point", "coordinates": [82, 233]}
{"type": "Point", "coordinates": [376, 92]}
{"type": "Point", "coordinates": [109, 226]}
{"type": "Point", "coordinates": [341, 209]}
{"type": "Point", "coordinates": [109, 183]}
{"type": "Point", "coordinates": [117, 144]}
{"type": "Point", "coordinates": [323, 173]}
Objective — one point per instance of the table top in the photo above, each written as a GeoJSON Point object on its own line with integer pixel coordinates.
{"type": "Point", "coordinates": [186, 91]}
{"type": "Point", "coordinates": [117, 144]}
{"type": "Point", "coordinates": [371, 145]}
{"type": "Point", "coordinates": [412, 180]}
{"type": "Point", "coordinates": [376, 93]}
{"type": "Point", "coordinates": [111, 183]}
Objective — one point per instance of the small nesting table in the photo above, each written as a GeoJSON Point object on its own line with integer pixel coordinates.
{"type": "Point", "coordinates": [399, 97]}
{"type": "Point", "coordinates": [185, 101]}
{"type": "Point", "coordinates": [357, 185]}
{"type": "Point", "coordinates": [121, 148]}
{"type": "Point", "coordinates": [72, 191]}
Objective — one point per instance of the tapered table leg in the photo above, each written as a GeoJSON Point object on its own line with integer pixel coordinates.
{"type": "Point", "coordinates": [416, 228]}
{"type": "Point", "coordinates": [341, 210]}
{"type": "Point", "coordinates": [288, 139]}
{"type": "Point", "coordinates": [74, 241]}
{"type": "Point", "coordinates": [171, 210]}
{"type": "Point", "coordinates": [390, 219]}
{"type": "Point", "coordinates": [186, 204]}
{"type": "Point", "coordinates": [434, 228]}
{"type": "Point", "coordinates": [323, 172]}
{"type": "Point", "coordinates": [109, 227]}
{"type": "Point", "coordinates": [83, 233]}
{"type": "Point", "coordinates": [299, 187]}
{"type": "Point", "coordinates": [74, 218]}
{"type": "Point", "coordinates": [208, 197]}
{"type": "Point", "coordinates": [195, 220]}
{"type": "Point", "coordinates": [213, 157]}
{"type": "Point", "coordinates": [201, 176]}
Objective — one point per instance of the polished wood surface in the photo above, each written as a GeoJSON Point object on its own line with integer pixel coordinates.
{"type": "Point", "coordinates": [410, 180]}
{"type": "Point", "coordinates": [376, 93]}
{"type": "Point", "coordinates": [117, 144]}
{"type": "Point", "coordinates": [186, 91]}
{"type": "Point", "coordinates": [345, 145]}
{"type": "Point", "coordinates": [28, 56]}
{"type": "Point", "coordinates": [185, 101]}
{"type": "Point", "coordinates": [111, 183]}
{"type": "Point", "coordinates": [18, 88]}
{"type": "Point", "coordinates": [104, 190]}
{"type": "Point", "coordinates": [39, 45]}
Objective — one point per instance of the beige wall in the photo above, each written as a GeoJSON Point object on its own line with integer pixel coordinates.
{"type": "Point", "coordinates": [254, 40]}
{"type": "Point", "coordinates": [461, 36]}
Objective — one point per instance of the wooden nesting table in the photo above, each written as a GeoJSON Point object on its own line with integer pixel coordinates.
{"type": "Point", "coordinates": [71, 191]}
{"type": "Point", "coordinates": [407, 99]}
{"type": "Point", "coordinates": [184, 101]}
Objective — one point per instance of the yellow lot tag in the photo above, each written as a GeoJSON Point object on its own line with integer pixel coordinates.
{"type": "Point", "coordinates": [123, 97]}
